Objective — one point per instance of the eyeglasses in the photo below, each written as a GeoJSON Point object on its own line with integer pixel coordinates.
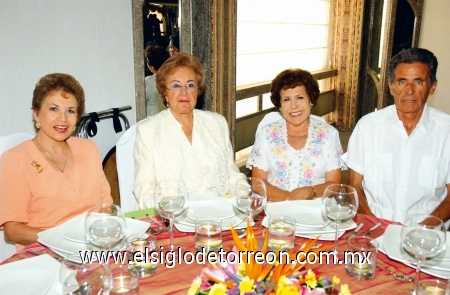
{"type": "Point", "coordinates": [191, 87]}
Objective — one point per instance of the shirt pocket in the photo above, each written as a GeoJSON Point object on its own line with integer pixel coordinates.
{"type": "Point", "coordinates": [377, 168]}
{"type": "Point", "coordinates": [433, 171]}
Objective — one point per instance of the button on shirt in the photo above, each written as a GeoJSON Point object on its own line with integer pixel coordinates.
{"type": "Point", "coordinates": [402, 174]}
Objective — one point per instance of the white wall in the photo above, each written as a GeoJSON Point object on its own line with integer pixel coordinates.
{"type": "Point", "coordinates": [89, 39]}
{"type": "Point", "coordinates": [434, 36]}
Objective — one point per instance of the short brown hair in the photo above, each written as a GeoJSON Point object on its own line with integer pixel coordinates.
{"type": "Point", "coordinates": [292, 78]}
{"type": "Point", "coordinates": [177, 61]}
{"type": "Point", "coordinates": [58, 81]}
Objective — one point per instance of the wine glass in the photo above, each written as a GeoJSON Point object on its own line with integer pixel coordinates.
{"type": "Point", "coordinates": [105, 226]}
{"type": "Point", "coordinates": [170, 199]}
{"type": "Point", "coordinates": [423, 237]}
{"type": "Point", "coordinates": [83, 278]}
{"type": "Point", "coordinates": [339, 204]}
{"type": "Point", "coordinates": [249, 196]}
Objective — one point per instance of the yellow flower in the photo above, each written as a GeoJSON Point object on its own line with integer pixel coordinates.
{"type": "Point", "coordinates": [278, 150]}
{"type": "Point", "coordinates": [195, 286]}
{"type": "Point", "coordinates": [310, 279]}
{"type": "Point", "coordinates": [308, 166]}
{"type": "Point", "coordinates": [336, 280]}
{"type": "Point", "coordinates": [218, 289]}
{"type": "Point", "coordinates": [285, 287]}
{"type": "Point", "coordinates": [345, 290]}
{"type": "Point", "coordinates": [246, 285]}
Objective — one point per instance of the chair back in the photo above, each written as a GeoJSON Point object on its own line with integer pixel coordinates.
{"type": "Point", "coordinates": [7, 142]}
{"type": "Point", "coordinates": [125, 169]}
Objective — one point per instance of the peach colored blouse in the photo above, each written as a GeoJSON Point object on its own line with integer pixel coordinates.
{"type": "Point", "coordinates": [48, 198]}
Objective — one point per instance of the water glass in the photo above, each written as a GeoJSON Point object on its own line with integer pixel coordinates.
{"type": "Point", "coordinates": [361, 257]}
{"type": "Point", "coordinates": [208, 234]}
{"type": "Point", "coordinates": [105, 226]}
{"type": "Point", "coordinates": [250, 196]}
{"type": "Point", "coordinates": [339, 204]}
{"type": "Point", "coordinates": [433, 287]}
{"type": "Point", "coordinates": [83, 278]}
{"type": "Point", "coordinates": [124, 281]}
{"type": "Point", "coordinates": [281, 232]}
{"type": "Point", "coordinates": [171, 198]}
{"type": "Point", "coordinates": [139, 248]}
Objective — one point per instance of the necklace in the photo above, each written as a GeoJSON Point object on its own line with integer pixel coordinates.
{"type": "Point", "coordinates": [189, 136]}
{"type": "Point", "coordinates": [50, 156]}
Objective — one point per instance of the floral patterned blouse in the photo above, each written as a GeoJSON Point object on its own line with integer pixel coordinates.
{"type": "Point", "coordinates": [289, 168]}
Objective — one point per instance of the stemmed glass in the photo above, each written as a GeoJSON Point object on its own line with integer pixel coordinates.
{"type": "Point", "coordinates": [249, 196]}
{"type": "Point", "coordinates": [170, 199]}
{"type": "Point", "coordinates": [423, 237]}
{"type": "Point", "coordinates": [105, 226]}
{"type": "Point", "coordinates": [339, 204]}
{"type": "Point", "coordinates": [83, 278]}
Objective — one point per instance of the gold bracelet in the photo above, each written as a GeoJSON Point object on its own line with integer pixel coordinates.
{"type": "Point", "coordinates": [314, 192]}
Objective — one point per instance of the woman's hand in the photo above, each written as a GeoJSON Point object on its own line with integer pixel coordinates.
{"type": "Point", "coordinates": [301, 193]}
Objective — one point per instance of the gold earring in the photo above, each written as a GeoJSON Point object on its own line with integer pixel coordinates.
{"type": "Point", "coordinates": [38, 125]}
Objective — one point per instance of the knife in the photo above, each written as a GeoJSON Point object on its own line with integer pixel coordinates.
{"type": "Point", "coordinates": [367, 234]}
{"type": "Point", "coordinates": [358, 228]}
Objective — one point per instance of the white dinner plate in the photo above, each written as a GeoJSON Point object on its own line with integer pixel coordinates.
{"type": "Point", "coordinates": [218, 208]}
{"type": "Point", "coordinates": [323, 236]}
{"type": "Point", "coordinates": [77, 232]}
{"type": "Point", "coordinates": [431, 271]}
{"type": "Point", "coordinates": [395, 251]}
{"type": "Point", "coordinates": [54, 239]}
{"type": "Point", "coordinates": [185, 224]}
{"type": "Point", "coordinates": [326, 233]}
{"type": "Point", "coordinates": [34, 276]}
{"type": "Point", "coordinates": [307, 213]}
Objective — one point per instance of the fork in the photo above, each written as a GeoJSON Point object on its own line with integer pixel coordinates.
{"type": "Point", "coordinates": [367, 234]}
{"type": "Point", "coordinates": [397, 276]}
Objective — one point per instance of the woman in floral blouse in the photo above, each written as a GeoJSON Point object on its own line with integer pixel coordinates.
{"type": "Point", "coordinates": [299, 155]}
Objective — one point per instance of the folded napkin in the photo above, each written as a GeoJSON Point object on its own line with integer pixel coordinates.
{"type": "Point", "coordinates": [68, 237]}
{"type": "Point", "coordinates": [307, 213]}
{"type": "Point", "coordinates": [34, 276]}
{"type": "Point", "coordinates": [439, 266]}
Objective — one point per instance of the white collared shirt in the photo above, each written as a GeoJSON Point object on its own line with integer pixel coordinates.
{"type": "Point", "coordinates": [402, 174]}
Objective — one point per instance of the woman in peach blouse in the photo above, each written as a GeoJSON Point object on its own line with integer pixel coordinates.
{"type": "Point", "coordinates": [53, 177]}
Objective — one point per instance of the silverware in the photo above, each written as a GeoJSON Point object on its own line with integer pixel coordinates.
{"type": "Point", "coordinates": [358, 228]}
{"type": "Point", "coordinates": [160, 229]}
{"type": "Point", "coordinates": [397, 276]}
{"type": "Point", "coordinates": [316, 245]}
{"type": "Point", "coordinates": [241, 232]}
{"type": "Point", "coordinates": [367, 234]}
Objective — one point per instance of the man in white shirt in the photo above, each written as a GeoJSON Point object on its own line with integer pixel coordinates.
{"type": "Point", "coordinates": [399, 157]}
